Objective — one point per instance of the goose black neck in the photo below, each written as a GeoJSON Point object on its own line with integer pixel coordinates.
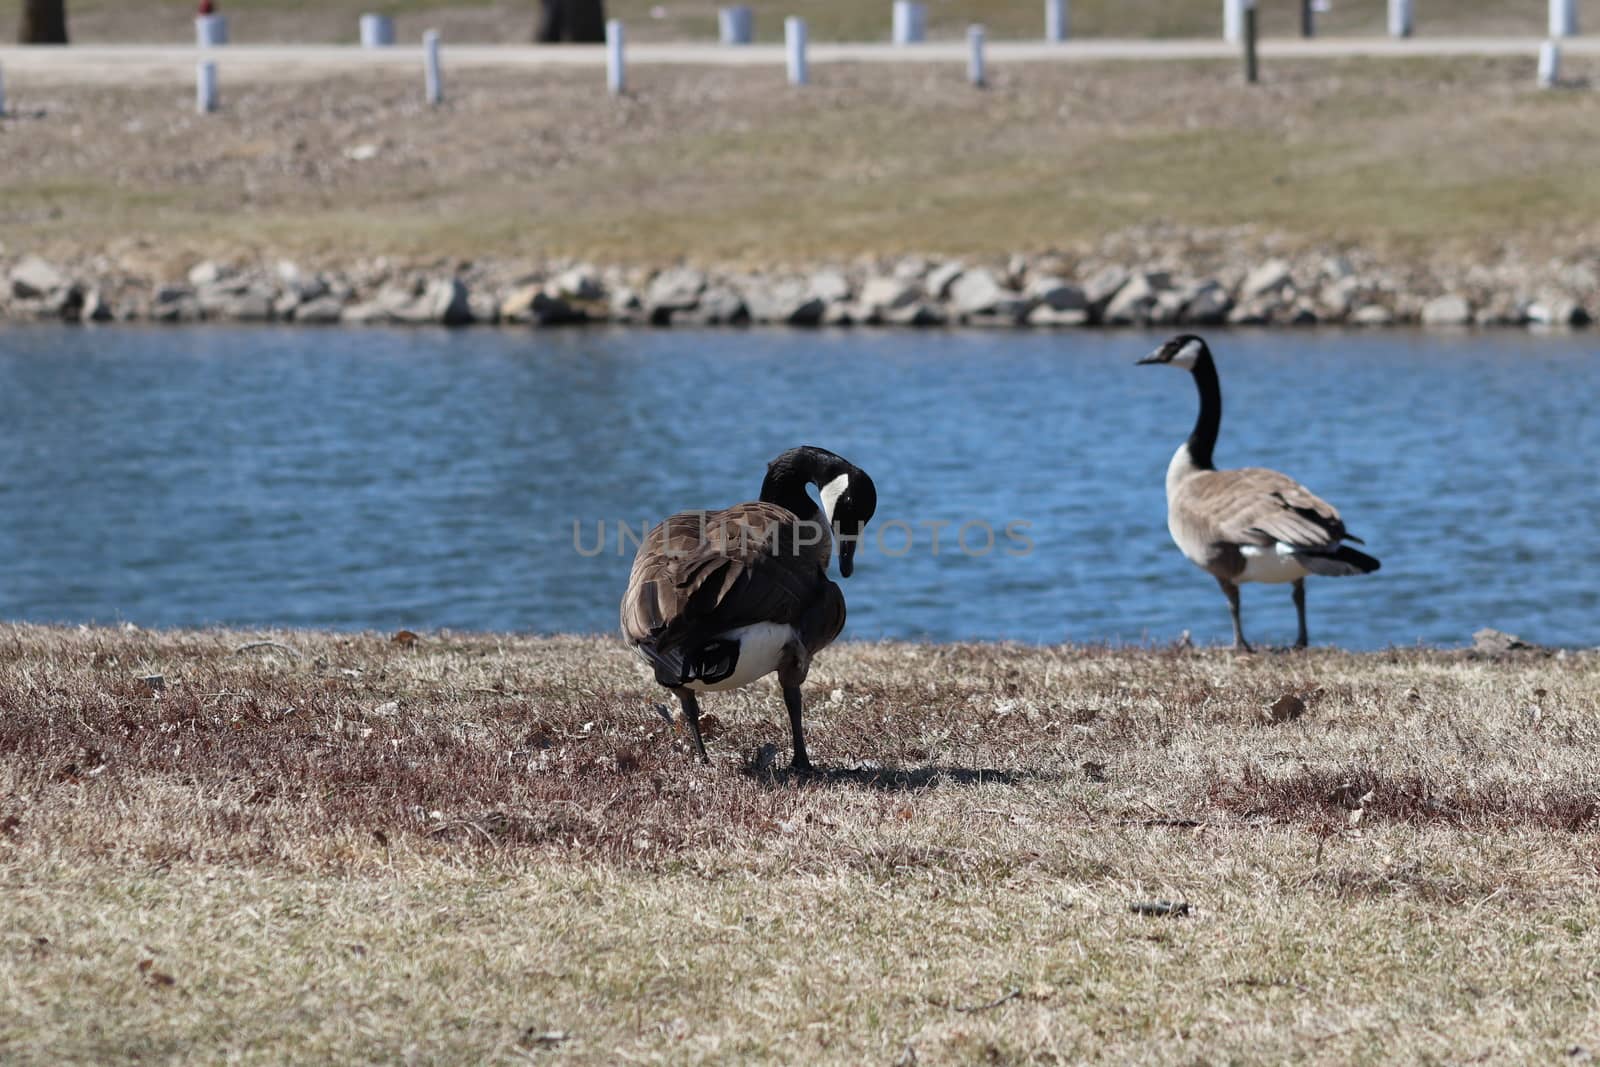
{"type": "Point", "coordinates": [787, 478]}
{"type": "Point", "coordinates": [1204, 437]}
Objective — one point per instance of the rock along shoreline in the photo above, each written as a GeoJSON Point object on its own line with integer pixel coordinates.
{"type": "Point", "coordinates": [1043, 291]}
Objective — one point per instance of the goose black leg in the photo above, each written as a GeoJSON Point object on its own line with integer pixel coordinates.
{"type": "Point", "coordinates": [1231, 591]}
{"type": "Point", "coordinates": [791, 700]}
{"type": "Point", "coordinates": [691, 715]}
{"type": "Point", "coordinates": [1300, 609]}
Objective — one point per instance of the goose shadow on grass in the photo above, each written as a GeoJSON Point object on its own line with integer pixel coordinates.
{"type": "Point", "coordinates": [765, 769]}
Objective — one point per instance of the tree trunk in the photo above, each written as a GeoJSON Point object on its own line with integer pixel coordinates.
{"type": "Point", "coordinates": [572, 21]}
{"type": "Point", "coordinates": [43, 22]}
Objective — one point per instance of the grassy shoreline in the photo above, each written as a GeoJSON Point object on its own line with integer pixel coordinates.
{"type": "Point", "coordinates": [488, 847]}
{"type": "Point", "coordinates": [729, 167]}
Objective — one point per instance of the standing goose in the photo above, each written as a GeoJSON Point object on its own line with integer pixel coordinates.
{"type": "Point", "coordinates": [718, 599]}
{"type": "Point", "coordinates": [1252, 524]}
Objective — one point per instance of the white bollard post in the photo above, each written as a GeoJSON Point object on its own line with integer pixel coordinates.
{"type": "Point", "coordinates": [205, 86]}
{"type": "Point", "coordinates": [210, 30]}
{"type": "Point", "coordinates": [1057, 20]}
{"type": "Point", "coordinates": [975, 69]}
{"type": "Point", "coordinates": [433, 80]}
{"type": "Point", "coordinates": [377, 31]}
{"type": "Point", "coordinates": [910, 21]}
{"type": "Point", "coordinates": [794, 36]}
{"type": "Point", "coordinates": [616, 72]}
{"type": "Point", "coordinates": [1563, 18]}
{"type": "Point", "coordinates": [1233, 20]}
{"type": "Point", "coordinates": [1549, 65]}
{"type": "Point", "coordinates": [736, 25]}
{"type": "Point", "coordinates": [1400, 22]}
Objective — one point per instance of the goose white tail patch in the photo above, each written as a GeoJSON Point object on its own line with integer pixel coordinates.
{"type": "Point", "coordinates": [1271, 564]}
{"type": "Point", "coordinates": [761, 648]}
{"type": "Point", "coordinates": [831, 493]}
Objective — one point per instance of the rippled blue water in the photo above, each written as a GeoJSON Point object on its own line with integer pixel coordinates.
{"type": "Point", "coordinates": [431, 479]}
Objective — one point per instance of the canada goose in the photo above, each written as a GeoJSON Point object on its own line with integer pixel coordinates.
{"type": "Point", "coordinates": [1252, 524]}
{"type": "Point", "coordinates": [718, 599]}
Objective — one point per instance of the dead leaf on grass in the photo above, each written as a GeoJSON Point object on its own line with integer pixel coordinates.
{"type": "Point", "coordinates": [1160, 908]}
{"type": "Point", "coordinates": [535, 1038]}
{"type": "Point", "coordinates": [989, 1005]}
{"type": "Point", "coordinates": [765, 759]}
{"type": "Point", "coordinates": [147, 967]}
{"type": "Point", "coordinates": [1351, 795]}
{"type": "Point", "coordinates": [1288, 707]}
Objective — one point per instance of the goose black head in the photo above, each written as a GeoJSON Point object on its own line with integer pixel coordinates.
{"type": "Point", "coordinates": [849, 498]}
{"type": "Point", "coordinates": [1183, 351]}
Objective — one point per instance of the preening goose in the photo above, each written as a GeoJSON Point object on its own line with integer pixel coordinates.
{"type": "Point", "coordinates": [718, 599]}
{"type": "Point", "coordinates": [1252, 524]}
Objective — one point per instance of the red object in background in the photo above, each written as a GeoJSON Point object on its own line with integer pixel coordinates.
{"type": "Point", "coordinates": [207, 7]}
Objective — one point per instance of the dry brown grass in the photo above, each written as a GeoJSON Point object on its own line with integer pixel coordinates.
{"type": "Point", "coordinates": [1460, 160]}
{"type": "Point", "coordinates": [441, 852]}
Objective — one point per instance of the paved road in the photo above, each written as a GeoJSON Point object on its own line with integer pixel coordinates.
{"type": "Point", "coordinates": [126, 63]}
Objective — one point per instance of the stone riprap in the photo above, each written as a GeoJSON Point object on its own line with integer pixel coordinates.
{"type": "Point", "coordinates": [1046, 291]}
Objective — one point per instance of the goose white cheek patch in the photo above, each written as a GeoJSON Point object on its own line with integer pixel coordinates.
{"type": "Point", "coordinates": [831, 493]}
{"type": "Point", "coordinates": [1187, 355]}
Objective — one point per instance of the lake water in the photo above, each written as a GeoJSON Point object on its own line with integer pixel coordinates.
{"type": "Point", "coordinates": [425, 479]}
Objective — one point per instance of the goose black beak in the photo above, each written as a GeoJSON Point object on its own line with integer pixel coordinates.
{"type": "Point", "coordinates": [847, 556]}
{"type": "Point", "coordinates": [1154, 357]}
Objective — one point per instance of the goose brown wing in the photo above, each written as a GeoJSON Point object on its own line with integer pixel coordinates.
{"type": "Point", "coordinates": [1255, 506]}
{"type": "Point", "coordinates": [706, 572]}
